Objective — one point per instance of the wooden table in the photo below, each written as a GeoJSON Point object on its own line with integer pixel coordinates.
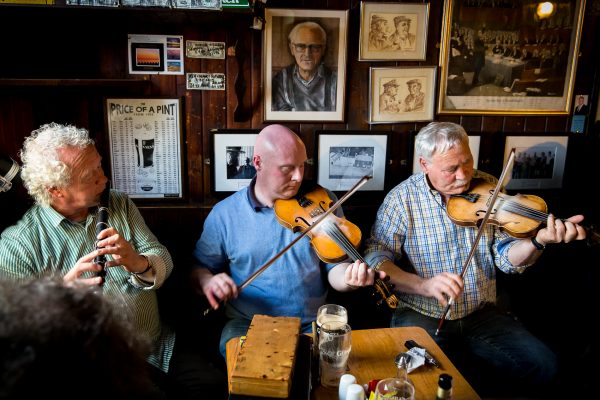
{"type": "Point", "coordinates": [372, 357]}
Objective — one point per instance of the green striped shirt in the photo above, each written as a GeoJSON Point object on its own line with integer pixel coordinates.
{"type": "Point", "coordinates": [45, 243]}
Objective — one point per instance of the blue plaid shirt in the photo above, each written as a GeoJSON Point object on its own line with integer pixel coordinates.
{"type": "Point", "coordinates": [413, 231]}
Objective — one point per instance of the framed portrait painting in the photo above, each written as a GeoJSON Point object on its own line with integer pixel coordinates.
{"type": "Point", "coordinates": [393, 31]}
{"type": "Point", "coordinates": [401, 94]}
{"type": "Point", "coordinates": [304, 55]}
{"type": "Point", "coordinates": [539, 161]}
{"type": "Point", "coordinates": [232, 166]}
{"type": "Point", "coordinates": [510, 57]}
{"type": "Point", "coordinates": [344, 157]}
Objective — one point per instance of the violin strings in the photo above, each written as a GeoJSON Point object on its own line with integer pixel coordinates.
{"type": "Point", "coordinates": [341, 239]}
{"type": "Point", "coordinates": [338, 236]}
{"type": "Point", "coordinates": [523, 210]}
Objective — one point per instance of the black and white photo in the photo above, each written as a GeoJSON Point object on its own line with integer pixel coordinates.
{"type": "Point", "coordinates": [201, 49]}
{"type": "Point", "coordinates": [232, 159]}
{"type": "Point", "coordinates": [205, 81]}
{"type": "Point", "coordinates": [344, 157]}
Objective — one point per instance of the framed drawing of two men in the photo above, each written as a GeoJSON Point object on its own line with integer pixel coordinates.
{"type": "Point", "coordinates": [304, 64]}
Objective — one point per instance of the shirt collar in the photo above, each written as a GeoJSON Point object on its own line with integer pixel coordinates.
{"type": "Point", "coordinates": [57, 218]}
{"type": "Point", "coordinates": [252, 199]}
{"type": "Point", "coordinates": [320, 73]}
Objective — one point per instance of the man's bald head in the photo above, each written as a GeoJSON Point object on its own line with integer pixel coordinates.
{"type": "Point", "coordinates": [279, 158]}
{"type": "Point", "coordinates": [277, 139]}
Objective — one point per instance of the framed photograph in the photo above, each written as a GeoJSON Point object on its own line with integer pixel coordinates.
{"type": "Point", "coordinates": [344, 157]}
{"type": "Point", "coordinates": [305, 64]}
{"type": "Point", "coordinates": [509, 57]}
{"type": "Point", "coordinates": [474, 144]}
{"type": "Point", "coordinates": [204, 81]}
{"type": "Point", "coordinates": [232, 155]}
{"type": "Point", "coordinates": [539, 161]}
{"type": "Point", "coordinates": [155, 54]}
{"type": "Point", "coordinates": [401, 94]}
{"type": "Point", "coordinates": [145, 147]}
{"type": "Point", "coordinates": [201, 49]}
{"type": "Point", "coordinates": [393, 31]}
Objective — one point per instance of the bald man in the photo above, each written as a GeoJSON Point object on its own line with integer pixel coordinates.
{"type": "Point", "coordinates": [241, 234]}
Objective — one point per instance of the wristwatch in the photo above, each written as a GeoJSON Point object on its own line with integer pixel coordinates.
{"type": "Point", "coordinates": [537, 244]}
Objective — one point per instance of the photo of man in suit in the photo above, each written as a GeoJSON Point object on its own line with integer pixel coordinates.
{"type": "Point", "coordinates": [581, 107]}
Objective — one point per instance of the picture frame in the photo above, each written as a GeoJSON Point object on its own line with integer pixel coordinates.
{"type": "Point", "coordinates": [155, 54]}
{"type": "Point", "coordinates": [474, 145]}
{"type": "Point", "coordinates": [532, 168]}
{"type": "Point", "coordinates": [204, 81]}
{"type": "Point", "coordinates": [145, 146]}
{"type": "Point", "coordinates": [231, 162]}
{"type": "Point", "coordinates": [501, 58]}
{"type": "Point", "coordinates": [324, 98]}
{"type": "Point", "coordinates": [344, 157]}
{"type": "Point", "coordinates": [391, 99]}
{"type": "Point", "coordinates": [204, 49]}
{"type": "Point", "coordinates": [381, 39]}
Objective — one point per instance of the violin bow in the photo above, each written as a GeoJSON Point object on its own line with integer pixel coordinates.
{"type": "Point", "coordinates": [482, 224]}
{"type": "Point", "coordinates": [331, 209]}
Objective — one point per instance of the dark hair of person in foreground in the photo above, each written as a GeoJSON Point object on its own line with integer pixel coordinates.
{"type": "Point", "coordinates": [67, 342]}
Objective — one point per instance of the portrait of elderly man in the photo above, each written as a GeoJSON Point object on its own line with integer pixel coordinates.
{"type": "Point", "coordinates": [378, 35]}
{"type": "Point", "coordinates": [389, 100]}
{"type": "Point", "coordinates": [307, 84]}
{"type": "Point", "coordinates": [402, 39]}
{"type": "Point", "coordinates": [415, 99]}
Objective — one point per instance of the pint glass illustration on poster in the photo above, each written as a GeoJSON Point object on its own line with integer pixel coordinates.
{"type": "Point", "coordinates": [145, 147]}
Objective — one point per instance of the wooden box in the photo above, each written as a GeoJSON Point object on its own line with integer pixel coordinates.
{"type": "Point", "coordinates": [266, 360]}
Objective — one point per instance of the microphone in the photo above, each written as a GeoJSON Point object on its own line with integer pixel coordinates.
{"type": "Point", "coordinates": [101, 224]}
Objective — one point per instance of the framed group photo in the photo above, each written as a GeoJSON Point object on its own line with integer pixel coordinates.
{"type": "Point", "coordinates": [304, 62]}
{"type": "Point", "coordinates": [511, 57]}
{"type": "Point", "coordinates": [539, 161]}
{"type": "Point", "coordinates": [344, 157]}
{"type": "Point", "coordinates": [393, 31]}
{"type": "Point", "coordinates": [401, 94]}
{"type": "Point", "coordinates": [232, 154]}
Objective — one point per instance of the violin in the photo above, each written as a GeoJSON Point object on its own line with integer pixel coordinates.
{"type": "Point", "coordinates": [520, 216]}
{"type": "Point", "coordinates": [334, 239]}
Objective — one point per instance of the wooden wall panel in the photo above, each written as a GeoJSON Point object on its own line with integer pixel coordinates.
{"type": "Point", "coordinates": [98, 51]}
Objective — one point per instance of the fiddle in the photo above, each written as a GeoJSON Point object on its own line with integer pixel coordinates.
{"type": "Point", "coordinates": [334, 239]}
{"type": "Point", "coordinates": [520, 216]}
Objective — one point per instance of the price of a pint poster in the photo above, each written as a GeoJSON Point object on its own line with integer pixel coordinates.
{"type": "Point", "coordinates": [145, 147]}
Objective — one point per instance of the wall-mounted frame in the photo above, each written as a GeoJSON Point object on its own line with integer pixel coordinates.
{"type": "Point", "coordinates": [395, 31]}
{"type": "Point", "coordinates": [401, 94]}
{"type": "Point", "coordinates": [155, 54]}
{"type": "Point", "coordinates": [286, 98]}
{"type": "Point", "coordinates": [501, 58]}
{"type": "Point", "coordinates": [539, 161]}
{"type": "Point", "coordinates": [343, 157]}
{"type": "Point", "coordinates": [145, 147]}
{"type": "Point", "coordinates": [474, 145]}
{"type": "Point", "coordinates": [232, 153]}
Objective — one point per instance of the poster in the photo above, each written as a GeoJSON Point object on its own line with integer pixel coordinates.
{"type": "Point", "coordinates": [145, 147]}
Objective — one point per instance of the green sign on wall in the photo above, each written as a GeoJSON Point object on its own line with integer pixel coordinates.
{"type": "Point", "coordinates": [235, 3]}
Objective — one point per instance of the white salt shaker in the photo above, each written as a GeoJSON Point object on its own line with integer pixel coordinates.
{"type": "Point", "coordinates": [345, 381]}
{"type": "Point", "coordinates": [355, 392]}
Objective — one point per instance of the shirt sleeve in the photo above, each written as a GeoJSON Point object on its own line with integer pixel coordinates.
{"type": "Point", "coordinates": [385, 242]}
{"type": "Point", "coordinates": [209, 252]}
{"type": "Point", "coordinates": [16, 259]}
{"type": "Point", "coordinates": [144, 242]}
